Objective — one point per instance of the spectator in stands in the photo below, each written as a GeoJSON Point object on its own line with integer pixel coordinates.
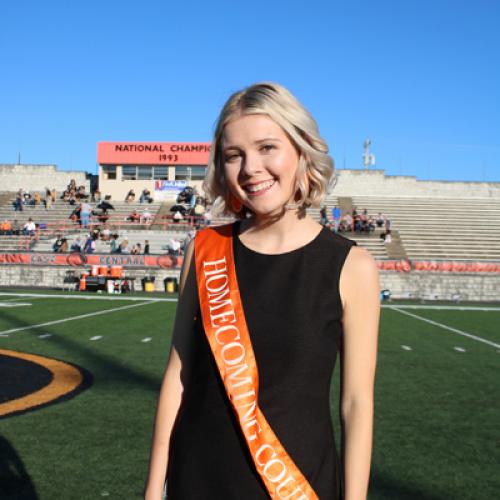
{"type": "Point", "coordinates": [147, 217]}
{"type": "Point", "coordinates": [346, 222]}
{"type": "Point", "coordinates": [75, 215]}
{"type": "Point", "coordinates": [29, 228]}
{"type": "Point", "coordinates": [123, 248]}
{"type": "Point", "coordinates": [89, 246]}
{"type": "Point", "coordinates": [57, 243]}
{"type": "Point", "coordinates": [85, 211]}
{"type": "Point", "coordinates": [16, 228]}
{"type": "Point", "coordinates": [19, 201]}
{"type": "Point", "coordinates": [81, 194]}
{"type": "Point", "coordinates": [105, 234]}
{"type": "Point", "coordinates": [174, 247]}
{"type": "Point", "coordinates": [336, 216]}
{"type": "Point", "coordinates": [37, 198]}
{"type": "Point", "coordinates": [72, 185]}
{"type": "Point", "coordinates": [114, 247]}
{"type": "Point", "coordinates": [130, 196]}
{"type": "Point", "coordinates": [53, 195]}
{"type": "Point", "coordinates": [380, 220]}
{"type": "Point", "coordinates": [145, 197]}
{"type": "Point", "coordinates": [136, 249]}
{"type": "Point", "coordinates": [28, 200]}
{"type": "Point", "coordinates": [77, 245]}
{"type": "Point", "coordinates": [6, 228]}
{"type": "Point", "coordinates": [194, 198]}
{"type": "Point", "coordinates": [48, 199]}
{"type": "Point", "coordinates": [386, 236]}
{"type": "Point", "coordinates": [178, 216]}
{"type": "Point", "coordinates": [199, 208]}
{"type": "Point", "coordinates": [146, 247]}
{"type": "Point", "coordinates": [207, 216]}
{"type": "Point", "coordinates": [134, 216]}
{"type": "Point", "coordinates": [323, 217]}
{"type": "Point", "coordinates": [64, 246]}
{"type": "Point", "coordinates": [96, 196]}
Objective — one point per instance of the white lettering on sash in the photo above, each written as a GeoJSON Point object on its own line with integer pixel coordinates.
{"type": "Point", "coordinates": [238, 377]}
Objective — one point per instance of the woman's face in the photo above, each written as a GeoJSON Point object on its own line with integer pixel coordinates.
{"type": "Point", "coordinates": [260, 163]}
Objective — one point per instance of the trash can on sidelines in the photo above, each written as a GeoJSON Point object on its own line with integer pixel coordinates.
{"type": "Point", "coordinates": [148, 283]}
{"type": "Point", "coordinates": [171, 285]}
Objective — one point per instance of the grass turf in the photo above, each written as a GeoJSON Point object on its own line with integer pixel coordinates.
{"type": "Point", "coordinates": [437, 409]}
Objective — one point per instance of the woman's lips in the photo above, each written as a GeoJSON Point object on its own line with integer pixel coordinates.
{"type": "Point", "coordinates": [259, 188]}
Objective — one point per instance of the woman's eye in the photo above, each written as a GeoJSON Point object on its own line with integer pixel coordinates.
{"type": "Point", "coordinates": [231, 157]}
{"type": "Point", "coordinates": [266, 148]}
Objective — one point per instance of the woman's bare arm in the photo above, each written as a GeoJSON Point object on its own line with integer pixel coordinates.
{"type": "Point", "coordinates": [171, 390]}
{"type": "Point", "coordinates": [360, 292]}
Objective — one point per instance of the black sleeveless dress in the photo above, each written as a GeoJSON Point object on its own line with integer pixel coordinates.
{"type": "Point", "coordinates": [293, 310]}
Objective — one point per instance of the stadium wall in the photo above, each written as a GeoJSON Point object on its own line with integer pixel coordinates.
{"type": "Point", "coordinates": [428, 285]}
{"type": "Point", "coordinates": [53, 276]}
{"type": "Point", "coordinates": [376, 182]}
{"type": "Point", "coordinates": [38, 177]}
{"type": "Point", "coordinates": [442, 286]}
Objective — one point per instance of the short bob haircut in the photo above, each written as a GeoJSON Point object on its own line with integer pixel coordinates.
{"type": "Point", "coordinates": [315, 173]}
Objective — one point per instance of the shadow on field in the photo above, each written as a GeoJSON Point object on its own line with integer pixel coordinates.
{"type": "Point", "coordinates": [15, 482]}
{"type": "Point", "coordinates": [383, 486]}
{"type": "Point", "coordinates": [115, 372]}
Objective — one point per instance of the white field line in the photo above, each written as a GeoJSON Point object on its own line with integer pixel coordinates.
{"type": "Point", "coordinates": [446, 327]}
{"type": "Point", "coordinates": [89, 297]}
{"type": "Point", "coordinates": [441, 308]}
{"type": "Point", "coordinates": [72, 318]}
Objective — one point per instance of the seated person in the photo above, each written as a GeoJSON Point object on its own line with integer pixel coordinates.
{"type": "Point", "coordinates": [145, 196]}
{"type": "Point", "coordinates": [6, 227]}
{"type": "Point", "coordinates": [123, 248]}
{"type": "Point", "coordinates": [76, 245]}
{"type": "Point", "coordinates": [64, 246]}
{"type": "Point", "coordinates": [57, 244]}
{"type": "Point", "coordinates": [146, 216]}
{"type": "Point", "coordinates": [130, 196]}
{"type": "Point", "coordinates": [178, 216]}
{"type": "Point", "coordinates": [174, 247]}
{"type": "Point", "coordinates": [29, 228]}
{"type": "Point", "coordinates": [134, 216]}
{"type": "Point", "coordinates": [136, 249]}
{"type": "Point", "coordinates": [114, 247]}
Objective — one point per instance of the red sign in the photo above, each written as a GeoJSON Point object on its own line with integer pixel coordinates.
{"type": "Point", "coordinates": [153, 153]}
{"type": "Point", "coordinates": [77, 260]}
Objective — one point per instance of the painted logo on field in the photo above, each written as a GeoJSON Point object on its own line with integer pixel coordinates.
{"type": "Point", "coordinates": [31, 382]}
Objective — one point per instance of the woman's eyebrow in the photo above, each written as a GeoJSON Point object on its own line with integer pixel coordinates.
{"type": "Point", "coordinates": [267, 139]}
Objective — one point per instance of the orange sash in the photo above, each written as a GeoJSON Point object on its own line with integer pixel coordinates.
{"type": "Point", "coordinates": [229, 339]}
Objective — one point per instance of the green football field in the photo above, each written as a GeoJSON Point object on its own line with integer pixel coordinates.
{"type": "Point", "coordinates": [437, 424]}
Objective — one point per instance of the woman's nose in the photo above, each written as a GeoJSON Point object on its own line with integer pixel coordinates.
{"type": "Point", "coordinates": [251, 164]}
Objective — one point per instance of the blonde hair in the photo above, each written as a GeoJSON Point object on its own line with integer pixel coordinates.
{"type": "Point", "coordinates": [315, 172]}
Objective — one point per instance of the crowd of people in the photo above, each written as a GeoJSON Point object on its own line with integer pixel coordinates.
{"type": "Point", "coordinates": [356, 221]}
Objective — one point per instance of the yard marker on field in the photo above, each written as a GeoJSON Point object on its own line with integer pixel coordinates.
{"type": "Point", "coordinates": [90, 297]}
{"type": "Point", "coordinates": [4, 334]}
{"type": "Point", "coordinates": [459, 349]}
{"type": "Point", "coordinates": [14, 304]}
{"type": "Point", "coordinates": [44, 335]}
{"type": "Point", "coordinates": [80, 316]}
{"type": "Point", "coordinates": [146, 339]}
{"type": "Point", "coordinates": [96, 337]}
{"type": "Point", "coordinates": [406, 347]}
{"type": "Point", "coordinates": [441, 308]}
{"type": "Point", "coordinates": [446, 327]}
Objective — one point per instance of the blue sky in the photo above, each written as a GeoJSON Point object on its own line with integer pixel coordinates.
{"type": "Point", "coordinates": [420, 78]}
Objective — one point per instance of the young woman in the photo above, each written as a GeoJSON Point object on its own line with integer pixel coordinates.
{"type": "Point", "coordinates": [305, 293]}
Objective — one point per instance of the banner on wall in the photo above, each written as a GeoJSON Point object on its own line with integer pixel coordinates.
{"type": "Point", "coordinates": [77, 260]}
{"type": "Point", "coordinates": [168, 190]}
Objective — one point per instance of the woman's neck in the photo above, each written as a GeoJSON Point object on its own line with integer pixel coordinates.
{"type": "Point", "coordinates": [278, 234]}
